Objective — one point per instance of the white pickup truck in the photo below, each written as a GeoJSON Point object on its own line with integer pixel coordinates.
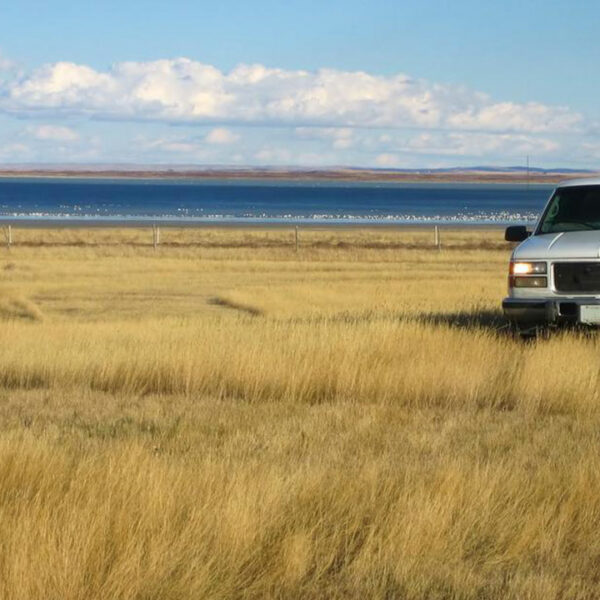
{"type": "Point", "coordinates": [554, 275]}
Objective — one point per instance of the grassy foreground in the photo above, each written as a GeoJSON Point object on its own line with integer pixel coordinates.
{"type": "Point", "coordinates": [227, 418]}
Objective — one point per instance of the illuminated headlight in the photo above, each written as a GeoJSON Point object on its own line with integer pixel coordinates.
{"type": "Point", "coordinates": [528, 268]}
{"type": "Point", "coordinates": [528, 282]}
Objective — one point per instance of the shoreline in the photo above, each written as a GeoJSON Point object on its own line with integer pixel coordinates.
{"type": "Point", "coordinates": [49, 223]}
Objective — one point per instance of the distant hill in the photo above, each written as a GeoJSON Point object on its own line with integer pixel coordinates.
{"type": "Point", "coordinates": [510, 174]}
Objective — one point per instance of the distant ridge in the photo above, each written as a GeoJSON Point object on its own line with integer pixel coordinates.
{"type": "Point", "coordinates": [474, 174]}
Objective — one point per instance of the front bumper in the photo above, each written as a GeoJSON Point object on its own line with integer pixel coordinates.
{"type": "Point", "coordinates": [531, 313]}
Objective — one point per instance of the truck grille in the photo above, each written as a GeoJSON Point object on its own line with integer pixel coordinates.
{"type": "Point", "coordinates": [577, 277]}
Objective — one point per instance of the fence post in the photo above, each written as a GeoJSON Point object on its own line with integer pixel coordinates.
{"type": "Point", "coordinates": [155, 235]}
{"type": "Point", "coordinates": [296, 228]}
{"type": "Point", "coordinates": [437, 238]}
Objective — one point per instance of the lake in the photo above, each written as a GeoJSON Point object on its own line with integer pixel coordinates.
{"type": "Point", "coordinates": [246, 201]}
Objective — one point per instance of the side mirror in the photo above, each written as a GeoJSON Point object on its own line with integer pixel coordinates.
{"type": "Point", "coordinates": [516, 233]}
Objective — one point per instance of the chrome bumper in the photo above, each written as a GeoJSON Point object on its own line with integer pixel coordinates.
{"type": "Point", "coordinates": [530, 313]}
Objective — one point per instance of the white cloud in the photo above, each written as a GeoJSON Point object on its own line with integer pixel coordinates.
{"type": "Point", "coordinates": [532, 117]}
{"type": "Point", "coordinates": [54, 133]}
{"type": "Point", "coordinates": [220, 135]}
{"type": "Point", "coordinates": [181, 147]}
{"type": "Point", "coordinates": [387, 160]}
{"type": "Point", "coordinates": [9, 69]}
{"type": "Point", "coordinates": [259, 115]}
{"type": "Point", "coordinates": [182, 90]}
{"type": "Point", "coordinates": [274, 156]}
{"type": "Point", "coordinates": [168, 145]}
{"type": "Point", "coordinates": [13, 151]}
{"type": "Point", "coordinates": [340, 138]}
{"type": "Point", "coordinates": [33, 151]}
{"type": "Point", "coordinates": [479, 145]}
{"type": "Point", "coordinates": [6, 64]}
{"type": "Point", "coordinates": [181, 150]}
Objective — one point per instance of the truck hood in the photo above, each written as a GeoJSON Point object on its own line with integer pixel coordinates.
{"type": "Point", "coordinates": [569, 244]}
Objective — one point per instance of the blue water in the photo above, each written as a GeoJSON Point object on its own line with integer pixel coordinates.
{"type": "Point", "coordinates": [271, 201]}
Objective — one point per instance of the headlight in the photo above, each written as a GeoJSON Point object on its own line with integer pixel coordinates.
{"type": "Point", "coordinates": [528, 268]}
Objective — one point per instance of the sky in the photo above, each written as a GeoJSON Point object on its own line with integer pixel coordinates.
{"type": "Point", "coordinates": [385, 84]}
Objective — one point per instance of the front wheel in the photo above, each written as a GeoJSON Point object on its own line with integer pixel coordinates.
{"type": "Point", "coordinates": [529, 333]}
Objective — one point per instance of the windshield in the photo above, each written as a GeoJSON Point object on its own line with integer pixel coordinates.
{"type": "Point", "coordinates": [574, 208]}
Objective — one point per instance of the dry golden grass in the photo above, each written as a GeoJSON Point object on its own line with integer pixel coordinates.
{"type": "Point", "coordinates": [227, 418]}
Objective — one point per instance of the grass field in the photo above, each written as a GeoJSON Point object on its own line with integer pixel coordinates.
{"type": "Point", "coordinates": [225, 417]}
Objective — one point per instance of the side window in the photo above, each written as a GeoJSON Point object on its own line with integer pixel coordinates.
{"type": "Point", "coordinates": [552, 213]}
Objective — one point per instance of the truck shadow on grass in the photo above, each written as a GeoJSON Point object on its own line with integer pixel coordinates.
{"type": "Point", "coordinates": [491, 320]}
{"type": "Point", "coordinates": [495, 322]}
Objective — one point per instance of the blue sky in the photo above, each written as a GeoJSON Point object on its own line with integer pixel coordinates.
{"type": "Point", "coordinates": [387, 84]}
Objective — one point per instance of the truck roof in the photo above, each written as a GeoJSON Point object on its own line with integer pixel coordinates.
{"type": "Point", "coordinates": [579, 181]}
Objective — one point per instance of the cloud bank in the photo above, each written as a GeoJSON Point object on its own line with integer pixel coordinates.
{"type": "Point", "coordinates": [255, 114]}
{"type": "Point", "coordinates": [53, 133]}
{"type": "Point", "coordinates": [183, 90]}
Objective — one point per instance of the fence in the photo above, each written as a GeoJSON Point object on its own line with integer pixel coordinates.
{"type": "Point", "coordinates": [154, 237]}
